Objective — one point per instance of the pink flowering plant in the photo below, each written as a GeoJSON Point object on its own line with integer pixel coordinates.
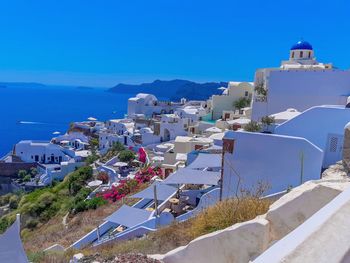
{"type": "Point", "coordinates": [127, 186]}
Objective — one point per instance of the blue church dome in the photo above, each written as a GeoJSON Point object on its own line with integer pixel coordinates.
{"type": "Point", "coordinates": [302, 45]}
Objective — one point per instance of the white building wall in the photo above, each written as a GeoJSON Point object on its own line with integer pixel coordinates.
{"type": "Point", "coordinates": [323, 126]}
{"type": "Point", "coordinates": [43, 152]}
{"type": "Point", "coordinates": [270, 159]}
{"type": "Point", "coordinates": [301, 89]}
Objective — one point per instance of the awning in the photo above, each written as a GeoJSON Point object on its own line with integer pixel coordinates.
{"type": "Point", "coordinates": [129, 216]}
{"type": "Point", "coordinates": [205, 160]}
{"type": "Point", "coordinates": [11, 248]}
{"type": "Point", "coordinates": [163, 192]}
{"type": "Point", "coordinates": [190, 176]}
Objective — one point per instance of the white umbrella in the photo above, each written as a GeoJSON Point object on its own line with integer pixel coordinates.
{"type": "Point", "coordinates": [95, 183]}
{"type": "Point", "coordinates": [213, 129]}
{"type": "Point", "coordinates": [92, 119]}
{"type": "Point", "coordinates": [120, 164]}
{"type": "Point", "coordinates": [56, 133]}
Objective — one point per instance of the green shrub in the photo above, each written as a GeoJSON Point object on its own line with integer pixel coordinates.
{"type": "Point", "coordinates": [95, 202]}
{"type": "Point", "coordinates": [5, 199]}
{"type": "Point", "coordinates": [22, 173]}
{"type": "Point", "coordinates": [26, 178]}
{"type": "Point", "coordinates": [13, 202]}
{"type": "Point", "coordinates": [126, 156]}
{"type": "Point", "coordinates": [32, 223]}
{"type": "Point", "coordinates": [252, 126]}
{"type": "Point", "coordinates": [80, 207]}
{"type": "Point", "coordinates": [82, 194]}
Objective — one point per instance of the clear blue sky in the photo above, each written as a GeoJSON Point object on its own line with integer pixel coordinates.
{"type": "Point", "coordinates": [103, 42]}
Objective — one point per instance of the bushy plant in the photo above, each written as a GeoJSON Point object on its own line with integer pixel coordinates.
{"type": "Point", "coordinates": [95, 202]}
{"type": "Point", "coordinates": [252, 126]}
{"type": "Point", "coordinates": [13, 201]}
{"type": "Point", "coordinates": [126, 156]}
{"type": "Point", "coordinates": [241, 103]}
{"type": "Point", "coordinates": [267, 120]}
{"type": "Point", "coordinates": [5, 199]}
{"type": "Point", "coordinates": [103, 176]}
{"type": "Point", "coordinates": [32, 223]}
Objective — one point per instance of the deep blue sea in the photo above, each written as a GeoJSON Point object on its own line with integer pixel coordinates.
{"type": "Point", "coordinates": [36, 112]}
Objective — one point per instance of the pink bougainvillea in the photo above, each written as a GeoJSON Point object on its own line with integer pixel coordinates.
{"type": "Point", "coordinates": [142, 155]}
{"type": "Point", "coordinates": [128, 185]}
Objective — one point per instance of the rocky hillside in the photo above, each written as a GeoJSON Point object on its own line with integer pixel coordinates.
{"type": "Point", "coordinates": [173, 89]}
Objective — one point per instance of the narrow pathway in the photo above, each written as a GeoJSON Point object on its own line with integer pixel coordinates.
{"type": "Point", "coordinates": [64, 220]}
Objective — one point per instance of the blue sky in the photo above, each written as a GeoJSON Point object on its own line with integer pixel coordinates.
{"type": "Point", "coordinates": [101, 43]}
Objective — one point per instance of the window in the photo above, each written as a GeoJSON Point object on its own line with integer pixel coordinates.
{"type": "Point", "coordinates": [333, 145]}
{"type": "Point", "coordinates": [246, 93]}
{"type": "Point", "coordinates": [309, 54]}
{"type": "Point", "coordinates": [301, 54]}
{"type": "Point", "coordinates": [293, 54]}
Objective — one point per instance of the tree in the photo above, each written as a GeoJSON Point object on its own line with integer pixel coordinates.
{"type": "Point", "coordinates": [33, 171]}
{"type": "Point", "coordinates": [241, 103]}
{"type": "Point", "coordinates": [252, 126]}
{"type": "Point", "coordinates": [117, 147]}
{"type": "Point", "coordinates": [126, 156]}
{"type": "Point", "coordinates": [22, 173]}
{"type": "Point", "coordinates": [26, 178]}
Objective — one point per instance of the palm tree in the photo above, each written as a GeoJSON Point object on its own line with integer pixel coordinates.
{"type": "Point", "coordinates": [241, 103]}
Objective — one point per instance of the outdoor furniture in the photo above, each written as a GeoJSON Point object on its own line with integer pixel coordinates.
{"type": "Point", "coordinates": [174, 201]}
{"type": "Point", "coordinates": [120, 229]}
{"type": "Point", "coordinates": [167, 210]}
{"type": "Point", "coordinates": [186, 208]}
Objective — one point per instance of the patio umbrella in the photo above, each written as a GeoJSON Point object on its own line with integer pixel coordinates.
{"type": "Point", "coordinates": [95, 183]}
{"type": "Point", "coordinates": [120, 164]}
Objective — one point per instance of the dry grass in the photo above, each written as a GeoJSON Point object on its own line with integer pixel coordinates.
{"type": "Point", "coordinates": [79, 225]}
{"type": "Point", "coordinates": [218, 217]}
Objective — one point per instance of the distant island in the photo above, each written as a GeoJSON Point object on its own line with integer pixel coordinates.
{"type": "Point", "coordinates": [172, 89]}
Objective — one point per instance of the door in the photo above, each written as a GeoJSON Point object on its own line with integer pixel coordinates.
{"type": "Point", "coordinates": [334, 149]}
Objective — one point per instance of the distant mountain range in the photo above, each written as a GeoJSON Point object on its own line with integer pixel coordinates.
{"type": "Point", "coordinates": [173, 89]}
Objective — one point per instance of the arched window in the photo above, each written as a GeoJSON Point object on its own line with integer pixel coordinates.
{"type": "Point", "coordinates": [301, 54]}
{"type": "Point", "coordinates": [293, 54]}
{"type": "Point", "coordinates": [309, 54]}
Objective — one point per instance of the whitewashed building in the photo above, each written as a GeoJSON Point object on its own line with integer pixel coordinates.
{"type": "Point", "coordinates": [300, 83]}
{"type": "Point", "coordinates": [225, 101]}
{"type": "Point", "coordinates": [276, 161]}
{"type": "Point", "coordinates": [75, 140]}
{"type": "Point", "coordinates": [120, 126]}
{"type": "Point", "coordinates": [148, 105]}
{"type": "Point", "coordinates": [42, 152]}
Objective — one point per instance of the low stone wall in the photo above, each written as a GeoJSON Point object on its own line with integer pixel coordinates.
{"type": "Point", "coordinates": [11, 169]}
{"type": "Point", "coordinates": [243, 242]}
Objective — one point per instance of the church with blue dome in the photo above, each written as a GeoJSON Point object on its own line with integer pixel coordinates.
{"type": "Point", "coordinates": [300, 82]}
{"type": "Point", "coordinates": [302, 45]}
{"type": "Point", "coordinates": [302, 52]}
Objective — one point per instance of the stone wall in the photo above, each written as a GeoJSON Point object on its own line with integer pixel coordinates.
{"type": "Point", "coordinates": [243, 242]}
{"type": "Point", "coordinates": [346, 148]}
{"type": "Point", "coordinates": [11, 169]}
